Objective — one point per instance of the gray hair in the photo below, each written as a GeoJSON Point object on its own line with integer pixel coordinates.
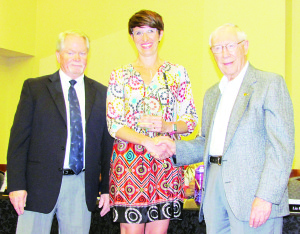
{"type": "Point", "coordinates": [241, 34]}
{"type": "Point", "coordinates": [62, 36]}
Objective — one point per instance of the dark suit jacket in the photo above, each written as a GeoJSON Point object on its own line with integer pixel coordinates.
{"type": "Point", "coordinates": [38, 138]}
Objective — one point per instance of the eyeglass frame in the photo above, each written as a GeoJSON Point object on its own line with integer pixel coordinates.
{"type": "Point", "coordinates": [149, 34]}
{"type": "Point", "coordinates": [229, 50]}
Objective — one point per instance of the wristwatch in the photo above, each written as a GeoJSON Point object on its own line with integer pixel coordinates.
{"type": "Point", "coordinates": [174, 126]}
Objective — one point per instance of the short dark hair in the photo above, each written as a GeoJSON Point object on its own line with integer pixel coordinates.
{"type": "Point", "coordinates": [146, 18]}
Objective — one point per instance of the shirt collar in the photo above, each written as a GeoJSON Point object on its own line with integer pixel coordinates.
{"type": "Point", "coordinates": [224, 81]}
{"type": "Point", "coordinates": [65, 78]}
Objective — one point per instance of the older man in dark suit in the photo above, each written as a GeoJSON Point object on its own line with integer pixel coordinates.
{"type": "Point", "coordinates": [59, 145]}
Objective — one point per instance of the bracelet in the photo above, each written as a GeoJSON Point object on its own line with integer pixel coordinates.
{"type": "Point", "coordinates": [174, 126]}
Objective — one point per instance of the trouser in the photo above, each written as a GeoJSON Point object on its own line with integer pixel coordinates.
{"type": "Point", "coordinates": [218, 215]}
{"type": "Point", "coordinates": [70, 209]}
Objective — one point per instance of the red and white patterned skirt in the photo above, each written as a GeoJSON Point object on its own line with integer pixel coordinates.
{"type": "Point", "coordinates": [143, 189]}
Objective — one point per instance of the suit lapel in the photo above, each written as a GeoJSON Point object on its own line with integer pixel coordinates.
{"type": "Point", "coordinates": [56, 92]}
{"type": "Point", "coordinates": [90, 93]}
{"type": "Point", "coordinates": [240, 105]}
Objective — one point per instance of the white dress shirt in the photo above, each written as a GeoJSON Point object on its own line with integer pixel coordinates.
{"type": "Point", "coordinates": [80, 91]}
{"type": "Point", "coordinates": [229, 91]}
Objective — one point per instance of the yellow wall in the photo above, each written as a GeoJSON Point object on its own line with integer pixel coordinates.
{"type": "Point", "coordinates": [3, 108]}
{"type": "Point", "coordinates": [12, 73]}
{"type": "Point", "coordinates": [188, 25]}
{"type": "Point", "coordinates": [292, 65]}
{"type": "Point", "coordinates": [17, 24]}
{"type": "Point", "coordinates": [17, 46]}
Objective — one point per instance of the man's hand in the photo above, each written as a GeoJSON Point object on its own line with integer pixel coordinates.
{"type": "Point", "coordinates": [18, 199]}
{"type": "Point", "coordinates": [159, 152]}
{"type": "Point", "coordinates": [260, 212]}
{"type": "Point", "coordinates": [168, 143]}
{"type": "Point", "coordinates": [104, 203]}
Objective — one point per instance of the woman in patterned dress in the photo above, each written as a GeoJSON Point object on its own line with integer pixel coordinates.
{"type": "Point", "coordinates": [147, 98]}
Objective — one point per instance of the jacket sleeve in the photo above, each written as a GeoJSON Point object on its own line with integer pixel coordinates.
{"type": "Point", "coordinates": [280, 145]}
{"type": "Point", "coordinates": [19, 141]}
{"type": "Point", "coordinates": [194, 154]}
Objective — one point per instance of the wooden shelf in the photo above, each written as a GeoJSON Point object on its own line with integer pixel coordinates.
{"type": "Point", "coordinates": [295, 173]}
{"type": "Point", "coordinates": [3, 167]}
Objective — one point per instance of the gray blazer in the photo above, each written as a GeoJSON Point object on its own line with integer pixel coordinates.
{"type": "Point", "coordinates": [259, 145]}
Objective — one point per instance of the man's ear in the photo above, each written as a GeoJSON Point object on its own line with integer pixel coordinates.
{"type": "Point", "coordinates": [57, 56]}
{"type": "Point", "coordinates": [246, 46]}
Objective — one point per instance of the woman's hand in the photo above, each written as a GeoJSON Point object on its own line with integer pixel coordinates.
{"type": "Point", "coordinates": [155, 124]}
{"type": "Point", "coordinates": [167, 142]}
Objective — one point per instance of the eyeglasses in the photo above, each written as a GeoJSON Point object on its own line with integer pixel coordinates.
{"type": "Point", "coordinates": [230, 47]}
{"type": "Point", "coordinates": [139, 33]}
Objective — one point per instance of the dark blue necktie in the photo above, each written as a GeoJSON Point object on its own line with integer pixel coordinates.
{"type": "Point", "coordinates": [76, 148]}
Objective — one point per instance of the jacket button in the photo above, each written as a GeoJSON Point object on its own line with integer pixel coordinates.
{"type": "Point", "coordinates": [60, 169]}
{"type": "Point", "coordinates": [62, 148]}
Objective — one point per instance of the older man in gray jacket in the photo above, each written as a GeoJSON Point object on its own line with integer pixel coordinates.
{"type": "Point", "coordinates": [246, 143]}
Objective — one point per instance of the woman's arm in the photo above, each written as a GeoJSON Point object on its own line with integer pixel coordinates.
{"type": "Point", "coordinates": [158, 124]}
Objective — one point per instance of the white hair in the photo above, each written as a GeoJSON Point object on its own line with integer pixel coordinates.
{"type": "Point", "coordinates": [241, 34]}
{"type": "Point", "coordinates": [62, 36]}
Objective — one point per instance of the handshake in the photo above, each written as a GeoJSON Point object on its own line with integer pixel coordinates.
{"type": "Point", "coordinates": [161, 147]}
